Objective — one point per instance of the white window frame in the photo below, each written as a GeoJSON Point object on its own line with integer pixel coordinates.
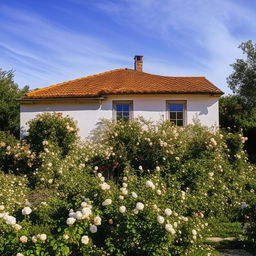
{"type": "Point", "coordinates": [115, 102]}
{"type": "Point", "coordinates": [183, 102]}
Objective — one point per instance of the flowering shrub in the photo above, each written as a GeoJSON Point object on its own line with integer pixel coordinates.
{"type": "Point", "coordinates": [137, 217]}
{"type": "Point", "coordinates": [13, 192]}
{"type": "Point", "coordinates": [54, 128]}
{"type": "Point", "coordinates": [135, 189]}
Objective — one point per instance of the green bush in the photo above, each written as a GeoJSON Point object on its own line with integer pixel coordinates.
{"type": "Point", "coordinates": [202, 175]}
{"type": "Point", "coordinates": [52, 128]}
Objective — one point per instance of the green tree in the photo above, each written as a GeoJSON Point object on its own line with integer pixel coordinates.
{"type": "Point", "coordinates": [243, 79]}
{"type": "Point", "coordinates": [9, 107]}
{"type": "Point", "coordinates": [238, 111]}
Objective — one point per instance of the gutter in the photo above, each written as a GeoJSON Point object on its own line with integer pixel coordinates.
{"type": "Point", "coordinates": [59, 100]}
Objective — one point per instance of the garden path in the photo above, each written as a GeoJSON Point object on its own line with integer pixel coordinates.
{"type": "Point", "coordinates": [235, 253]}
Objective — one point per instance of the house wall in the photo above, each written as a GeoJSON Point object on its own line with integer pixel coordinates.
{"type": "Point", "coordinates": [151, 107]}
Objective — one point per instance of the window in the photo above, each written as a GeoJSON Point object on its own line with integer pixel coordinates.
{"type": "Point", "coordinates": [122, 110]}
{"type": "Point", "coordinates": [176, 111]}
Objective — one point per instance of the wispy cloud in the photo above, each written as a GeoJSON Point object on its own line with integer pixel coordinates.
{"type": "Point", "coordinates": [178, 38]}
{"type": "Point", "coordinates": [51, 53]}
{"type": "Point", "coordinates": [201, 30]}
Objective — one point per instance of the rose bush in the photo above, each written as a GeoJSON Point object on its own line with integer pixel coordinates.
{"type": "Point", "coordinates": [133, 189]}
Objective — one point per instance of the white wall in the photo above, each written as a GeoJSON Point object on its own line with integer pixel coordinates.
{"type": "Point", "coordinates": [151, 107]}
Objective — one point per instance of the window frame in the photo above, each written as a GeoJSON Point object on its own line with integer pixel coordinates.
{"type": "Point", "coordinates": [183, 102]}
{"type": "Point", "coordinates": [116, 102]}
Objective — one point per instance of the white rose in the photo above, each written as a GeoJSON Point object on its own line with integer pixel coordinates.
{"type": "Point", "coordinates": [97, 221]}
{"type": "Point", "coordinates": [43, 237]}
{"type": "Point", "coordinates": [78, 215]}
{"type": "Point", "coordinates": [121, 197]}
{"type": "Point", "coordinates": [26, 210]}
{"type": "Point", "coordinates": [150, 184]}
{"type": "Point", "coordinates": [125, 185]}
{"type": "Point", "coordinates": [23, 239]}
{"type": "Point", "coordinates": [124, 191]}
{"type": "Point", "coordinates": [168, 212]}
{"type": "Point", "coordinates": [83, 204]}
{"type": "Point", "coordinates": [104, 186]}
{"type": "Point", "coordinates": [140, 168]}
{"type": "Point", "coordinates": [160, 219]}
{"type": "Point", "coordinates": [19, 254]}
{"type": "Point", "coordinates": [122, 209]}
{"type": "Point", "coordinates": [17, 227]}
{"type": "Point", "coordinates": [139, 206]}
{"type": "Point", "coordinates": [107, 202]}
{"type": "Point", "coordinates": [86, 211]}
{"type": "Point", "coordinates": [169, 228]}
{"type": "Point", "coordinates": [2, 207]}
{"type": "Point", "coordinates": [33, 239]}
{"type": "Point", "coordinates": [158, 168]}
{"type": "Point", "coordinates": [85, 240]}
{"type": "Point", "coordinates": [71, 221]}
{"type": "Point", "coordinates": [159, 192]}
{"type": "Point", "coordinates": [134, 195]}
{"type": "Point", "coordinates": [93, 228]}
{"type": "Point", "coordinates": [194, 232]}
{"type": "Point", "coordinates": [65, 236]}
{"type": "Point", "coordinates": [9, 220]}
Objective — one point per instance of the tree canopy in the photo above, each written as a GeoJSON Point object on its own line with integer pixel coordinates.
{"type": "Point", "coordinates": [9, 107]}
{"type": "Point", "coordinates": [243, 79]}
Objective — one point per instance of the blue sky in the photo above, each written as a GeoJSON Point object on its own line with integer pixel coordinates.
{"type": "Point", "coordinates": [52, 41]}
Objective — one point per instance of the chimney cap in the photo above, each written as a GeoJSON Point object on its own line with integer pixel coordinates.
{"type": "Point", "coordinates": [138, 57]}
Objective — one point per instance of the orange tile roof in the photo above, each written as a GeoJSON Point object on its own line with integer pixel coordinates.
{"type": "Point", "coordinates": [125, 81]}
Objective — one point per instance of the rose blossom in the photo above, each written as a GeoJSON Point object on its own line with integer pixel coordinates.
{"type": "Point", "coordinates": [26, 210]}
{"type": "Point", "coordinates": [23, 239]}
{"type": "Point", "coordinates": [107, 202]}
{"type": "Point", "coordinates": [85, 240]}
{"type": "Point", "coordinates": [122, 209]}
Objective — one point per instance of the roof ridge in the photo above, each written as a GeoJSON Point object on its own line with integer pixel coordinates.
{"type": "Point", "coordinates": [74, 80]}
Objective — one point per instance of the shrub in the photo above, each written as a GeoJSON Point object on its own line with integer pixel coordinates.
{"type": "Point", "coordinates": [53, 128]}
{"type": "Point", "coordinates": [13, 192]}
{"type": "Point", "coordinates": [199, 174]}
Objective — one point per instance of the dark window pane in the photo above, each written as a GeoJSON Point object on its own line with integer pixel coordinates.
{"type": "Point", "coordinates": [173, 107]}
{"type": "Point", "coordinates": [180, 122]}
{"type": "Point", "coordinates": [125, 113]}
{"type": "Point", "coordinates": [179, 107]}
{"type": "Point", "coordinates": [125, 107]}
{"type": "Point", "coordinates": [119, 107]}
{"type": "Point", "coordinates": [179, 115]}
{"type": "Point", "coordinates": [172, 115]}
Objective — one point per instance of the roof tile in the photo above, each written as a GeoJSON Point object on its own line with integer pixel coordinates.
{"type": "Point", "coordinates": [125, 81]}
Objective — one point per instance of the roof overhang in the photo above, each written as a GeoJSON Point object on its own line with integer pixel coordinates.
{"type": "Point", "coordinates": [59, 100]}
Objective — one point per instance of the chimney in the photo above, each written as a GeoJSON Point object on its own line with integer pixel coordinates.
{"type": "Point", "coordinates": [138, 63]}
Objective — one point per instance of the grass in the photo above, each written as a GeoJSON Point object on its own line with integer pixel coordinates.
{"type": "Point", "coordinates": [224, 229]}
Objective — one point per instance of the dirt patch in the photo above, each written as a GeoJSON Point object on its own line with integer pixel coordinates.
{"type": "Point", "coordinates": [235, 253]}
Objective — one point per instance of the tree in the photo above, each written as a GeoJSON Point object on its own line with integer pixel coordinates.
{"type": "Point", "coordinates": [9, 107]}
{"type": "Point", "coordinates": [243, 79]}
{"type": "Point", "coordinates": [238, 111]}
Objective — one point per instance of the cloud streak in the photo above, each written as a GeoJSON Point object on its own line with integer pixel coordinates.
{"type": "Point", "coordinates": [178, 38]}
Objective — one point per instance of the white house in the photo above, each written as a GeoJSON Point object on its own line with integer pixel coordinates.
{"type": "Point", "coordinates": [126, 94]}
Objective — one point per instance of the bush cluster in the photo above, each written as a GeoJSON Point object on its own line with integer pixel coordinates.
{"type": "Point", "coordinates": [133, 189]}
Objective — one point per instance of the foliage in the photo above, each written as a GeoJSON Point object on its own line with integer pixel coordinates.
{"type": "Point", "coordinates": [137, 189]}
{"type": "Point", "coordinates": [15, 155]}
{"type": "Point", "coordinates": [53, 128]}
{"type": "Point", "coordinates": [13, 192]}
{"type": "Point", "coordinates": [242, 80]}
{"type": "Point", "coordinates": [9, 107]}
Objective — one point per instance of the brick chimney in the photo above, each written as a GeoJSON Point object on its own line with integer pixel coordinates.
{"type": "Point", "coordinates": [138, 63]}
